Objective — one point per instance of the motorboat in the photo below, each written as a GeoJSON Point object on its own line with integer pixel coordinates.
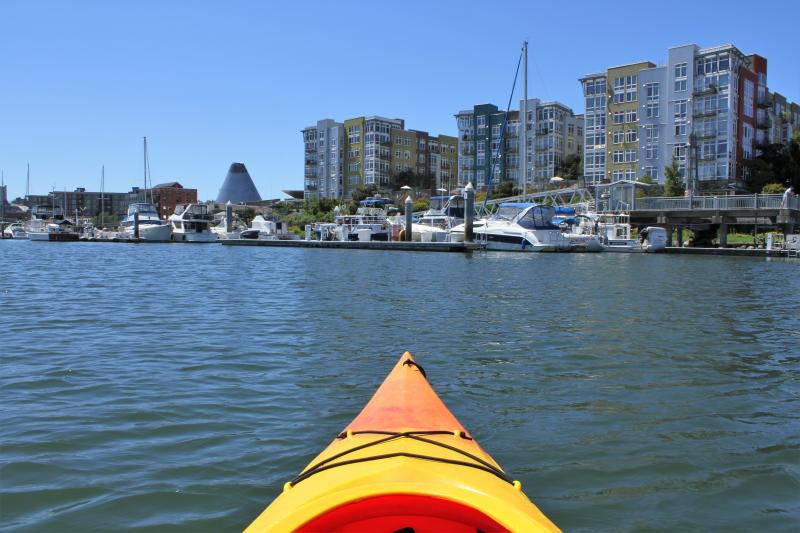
{"type": "Point", "coordinates": [48, 224]}
{"type": "Point", "coordinates": [151, 227]}
{"type": "Point", "coordinates": [190, 223]}
{"type": "Point", "coordinates": [444, 214]}
{"type": "Point", "coordinates": [517, 227]}
{"type": "Point", "coordinates": [614, 230]}
{"type": "Point", "coordinates": [15, 231]}
{"type": "Point", "coordinates": [267, 230]}
{"type": "Point", "coordinates": [578, 230]}
{"type": "Point", "coordinates": [370, 223]}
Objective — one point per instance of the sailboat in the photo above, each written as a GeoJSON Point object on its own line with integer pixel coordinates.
{"type": "Point", "coordinates": [150, 225]}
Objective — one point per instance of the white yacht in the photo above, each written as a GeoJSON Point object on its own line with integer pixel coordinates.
{"type": "Point", "coordinates": [518, 227]}
{"type": "Point", "coordinates": [369, 223]}
{"type": "Point", "coordinates": [48, 224]}
{"type": "Point", "coordinates": [444, 214]}
{"type": "Point", "coordinates": [267, 230]}
{"type": "Point", "coordinates": [190, 223]}
{"type": "Point", "coordinates": [151, 227]}
{"type": "Point", "coordinates": [15, 231]}
{"type": "Point", "coordinates": [614, 230]}
{"type": "Point", "coordinates": [578, 230]}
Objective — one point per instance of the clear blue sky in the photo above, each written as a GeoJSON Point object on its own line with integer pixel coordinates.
{"type": "Point", "coordinates": [210, 83]}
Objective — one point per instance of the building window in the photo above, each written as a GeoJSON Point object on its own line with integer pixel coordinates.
{"type": "Point", "coordinates": [618, 156]}
{"type": "Point", "coordinates": [630, 136]}
{"type": "Point", "coordinates": [679, 153]}
{"type": "Point", "coordinates": [619, 117]}
{"type": "Point", "coordinates": [630, 116]}
{"type": "Point", "coordinates": [631, 156]}
{"type": "Point", "coordinates": [680, 77]}
{"type": "Point", "coordinates": [680, 117]}
{"type": "Point", "coordinates": [617, 136]}
{"type": "Point", "coordinates": [748, 98]}
{"type": "Point", "coordinates": [630, 88]}
{"type": "Point", "coordinates": [619, 90]}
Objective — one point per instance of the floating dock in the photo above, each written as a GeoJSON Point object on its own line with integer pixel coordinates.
{"type": "Point", "coordinates": [736, 252]}
{"type": "Point", "coordinates": [462, 247]}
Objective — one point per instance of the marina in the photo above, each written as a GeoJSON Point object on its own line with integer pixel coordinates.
{"type": "Point", "coordinates": [262, 274]}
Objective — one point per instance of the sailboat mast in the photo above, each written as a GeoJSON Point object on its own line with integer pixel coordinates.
{"type": "Point", "coordinates": [525, 124]}
{"type": "Point", "coordinates": [144, 162]}
{"type": "Point", "coordinates": [102, 196]}
{"type": "Point", "coordinates": [28, 183]}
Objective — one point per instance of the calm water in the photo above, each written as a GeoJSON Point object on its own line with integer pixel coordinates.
{"type": "Point", "coordinates": [176, 387]}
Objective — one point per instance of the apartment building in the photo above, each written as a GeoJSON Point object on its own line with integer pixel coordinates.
{"type": "Point", "coordinates": [323, 149]}
{"type": "Point", "coordinates": [554, 132]}
{"type": "Point", "coordinates": [708, 109]}
{"type": "Point", "coordinates": [372, 150]}
{"type": "Point", "coordinates": [424, 154]}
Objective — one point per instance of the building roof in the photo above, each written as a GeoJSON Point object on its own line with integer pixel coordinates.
{"type": "Point", "coordinates": [169, 185]}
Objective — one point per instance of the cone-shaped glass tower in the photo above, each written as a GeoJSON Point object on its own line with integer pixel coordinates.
{"type": "Point", "coordinates": [238, 187]}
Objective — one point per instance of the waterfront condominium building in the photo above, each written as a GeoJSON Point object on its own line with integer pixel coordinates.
{"type": "Point", "coordinates": [424, 154]}
{"type": "Point", "coordinates": [554, 132]}
{"type": "Point", "coordinates": [594, 147]}
{"type": "Point", "coordinates": [323, 146]}
{"type": "Point", "coordinates": [372, 150]}
{"type": "Point", "coordinates": [611, 143]}
{"type": "Point", "coordinates": [707, 109]}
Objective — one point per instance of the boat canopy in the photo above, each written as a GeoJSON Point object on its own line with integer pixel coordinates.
{"type": "Point", "coordinates": [375, 202]}
{"type": "Point", "coordinates": [565, 210]}
{"type": "Point", "coordinates": [518, 205]}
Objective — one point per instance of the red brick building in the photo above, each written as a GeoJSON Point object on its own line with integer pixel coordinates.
{"type": "Point", "coordinates": [167, 195]}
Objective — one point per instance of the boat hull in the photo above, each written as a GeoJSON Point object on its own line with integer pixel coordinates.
{"type": "Point", "coordinates": [404, 463]}
{"type": "Point", "coordinates": [53, 237]}
{"type": "Point", "coordinates": [150, 232]}
{"type": "Point", "coordinates": [205, 236]}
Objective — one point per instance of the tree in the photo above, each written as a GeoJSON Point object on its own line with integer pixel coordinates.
{"type": "Point", "coordinates": [107, 219]}
{"type": "Point", "coordinates": [571, 168]}
{"type": "Point", "coordinates": [773, 188]}
{"type": "Point", "coordinates": [505, 188]}
{"type": "Point", "coordinates": [641, 193]}
{"type": "Point", "coordinates": [673, 181]}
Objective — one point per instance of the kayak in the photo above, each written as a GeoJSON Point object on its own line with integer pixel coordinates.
{"type": "Point", "coordinates": [404, 465]}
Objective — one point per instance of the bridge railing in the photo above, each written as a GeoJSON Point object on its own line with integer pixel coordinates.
{"type": "Point", "coordinates": [716, 203]}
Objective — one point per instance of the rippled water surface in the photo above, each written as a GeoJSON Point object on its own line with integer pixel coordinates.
{"type": "Point", "coordinates": [176, 387]}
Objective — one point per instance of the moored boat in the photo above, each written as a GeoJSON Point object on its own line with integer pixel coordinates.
{"type": "Point", "coordinates": [190, 223]}
{"type": "Point", "coordinates": [15, 231]}
{"type": "Point", "coordinates": [404, 464]}
{"type": "Point", "coordinates": [517, 227]}
{"type": "Point", "coordinates": [151, 228]}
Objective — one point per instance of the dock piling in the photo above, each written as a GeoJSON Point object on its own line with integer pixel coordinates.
{"type": "Point", "coordinates": [469, 211]}
{"type": "Point", "coordinates": [136, 225]}
{"type": "Point", "coordinates": [409, 218]}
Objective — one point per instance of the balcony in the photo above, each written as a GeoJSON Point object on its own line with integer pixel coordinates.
{"type": "Point", "coordinates": [706, 134]}
{"type": "Point", "coordinates": [764, 102]}
{"type": "Point", "coordinates": [704, 113]}
{"type": "Point", "coordinates": [763, 123]}
{"type": "Point", "coordinates": [542, 132]}
{"type": "Point", "coordinates": [711, 88]}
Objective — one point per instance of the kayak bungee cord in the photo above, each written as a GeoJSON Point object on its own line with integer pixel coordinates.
{"type": "Point", "coordinates": [490, 469]}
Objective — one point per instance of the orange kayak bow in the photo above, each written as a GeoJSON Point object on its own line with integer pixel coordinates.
{"type": "Point", "coordinates": [404, 464]}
